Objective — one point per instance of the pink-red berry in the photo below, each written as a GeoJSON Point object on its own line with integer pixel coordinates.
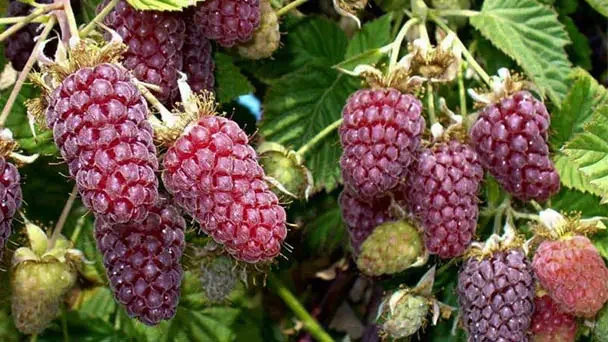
{"type": "Point", "coordinates": [155, 40]}
{"type": "Point", "coordinates": [10, 196]}
{"type": "Point", "coordinates": [142, 262]}
{"type": "Point", "coordinates": [574, 275]}
{"type": "Point", "coordinates": [511, 139]}
{"type": "Point", "coordinates": [550, 324]}
{"type": "Point", "coordinates": [442, 192]}
{"type": "Point", "coordinates": [228, 21]}
{"type": "Point", "coordinates": [98, 118]}
{"type": "Point", "coordinates": [496, 296]}
{"type": "Point", "coordinates": [379, 134]}
{"type": "Point", "coordinates": [214, 174]}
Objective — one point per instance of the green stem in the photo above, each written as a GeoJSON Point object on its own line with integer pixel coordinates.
{"type": "Point", "coordinates": [310, 324]}
{"type": "Point", "coordinates": [462, 92]}
{"type": "Point", "coordinates": [525, 216]}
{"type": "Point", "coordinates": [467, 55]}
{"type": "Point", "coordinates": [36, 13]}
{"type": "Point", "coordinates": [317, 138]}
{"type": "Point", "coordinates": [424, 34]}
{"type": "Point", "coordinates": [500, 211]}
{"type": "Point", "coordinates": [34, 338]}
{"type": "Point", "coordinates": [536, 205]}
{"type": "Point", "coordinates": [77, 229]}
{"type": "Point", "coordinates": [63, 217]}
{"type": "Point", "coordinates": [453, 13]}
{"type": "Point", "coordinates": [12, 20]}
{"type": "Point", "coordinates": [399, 40]}
{"type": "Point", "coordinates": [398, 19]}
{"type": "Point", "coordinates": [26, 69]}
{"type": "Point", "coordinates": [98, 18]}
{"type": "Point", "coordinates": [64, 327]}
{"type": "Point", "coordinates": [446, 266]}
{"type": "Point", "coordinates": [289, 7]}
{"type": "Point", "coordinates": [431, 102]}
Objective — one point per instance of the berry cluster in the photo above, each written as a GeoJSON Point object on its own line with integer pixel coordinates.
{"type": "Point", "coordinates": [162, 44]}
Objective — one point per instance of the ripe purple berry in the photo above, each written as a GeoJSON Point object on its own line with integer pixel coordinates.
{"type": "Point", "coordinates": [442, 192]}
{"type": "Point", "coordinates": [98, 118]}
{"type": "Point", "coordinates": [511, 139]}
{"type": "Point", "coordinates": [10, 194]}
{"type": "Point", "coordinates": [142, 261]}
{"type": "Point", "coordinates": [380, 132]}
{"type": "Point", "coordinates": [155, 40]}
{"type": "Point", "coordinates": [198, 60]}
{"type": "Point", "coordinates": [496, 296]}
{"type": "Point", "coordinates": [228, 21]}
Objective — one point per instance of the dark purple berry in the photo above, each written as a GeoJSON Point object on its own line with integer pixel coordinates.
{"type": "Point", "coordinates": [228, 21]}
{"type": "Point", "coordinates": [442, 193]}
{"type": "Point", "coordinates": [511, 139]}
{"type": "Point", "coordinates": [10, 194]}
{"type": "Point", "coordinates": [142, 262]}
{"type": "Point", "coordinates": [496, 296]}
{"type": "Point", "coordinates": [155, 40]}
{"type": "Point", "coordinates": [379, 134]}
{"type": "Point", "coordinates": [198, 59]}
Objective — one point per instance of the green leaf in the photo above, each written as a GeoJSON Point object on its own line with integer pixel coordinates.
{"type": "Point", "coordinates": [230, 82]}
{"type": "Point", "coordinates": [310, 40]}
{"type": "Point", "coordinates": [584, 96]}
{"type": "Point", "coordinates": [572, 200]}
{"type": "Point", "coordinates": [373, 35]}
{"type": "Point", "coordinates": [160, 5]}
{"type": "Point", "coordinates": [17, 122]}
{"type": "Point", "coordinates": [599, 5]}
{"type": "Point", "coordinates": [589, 151]}
{"type": "Point", "coordinates": [571, 177]}
{"type": "Point", "coordinates": [530, 33]}
{"type": "Point", "coordinates": [325, 232]}
{"type": "Point", "coordinates": [580, 50]}
{"type": "Point", "coordinates": [369, 45]}
{"type": "Point", "coordinates": [299, 106]}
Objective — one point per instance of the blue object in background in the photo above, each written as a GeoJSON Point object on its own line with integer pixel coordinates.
{"type": "Point", "coordinates": [252, 103]}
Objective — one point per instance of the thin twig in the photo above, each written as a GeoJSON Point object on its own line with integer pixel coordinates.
{"type": "Point", "coordinates": [431, 102]}
{"type": "Point", "coordinates": [36, 13]}
{"type": "Point", "coordinates": [67, 8]}
{"type": "Point", "coordinates": [462, 92]}
{"type": "Point", "coordinates": [26, 69]}
{"type": "Point", "coordinates": [63, 217]}
{"type": "Point", "coordinates": [98, 18]}
{"type": "Point", "coordinates": [453, 12]}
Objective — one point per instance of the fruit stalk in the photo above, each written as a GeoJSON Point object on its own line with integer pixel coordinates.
{"type": "Point", "coordinates": [98, 18]}
{"type": "Point", "coordinates": [467, 55]}
{"type": "Point", "coordinates": [317, 138]}
{"type": "Point", "coordinates": [285, 9]}
{"type": "Point", "coordinates": [63, 217]}
{"type": "Point", "coordinates": [453, 12]}
{"type": "Point", "coordinates": [28, 66]}
{"type": "Point", "coordinates": [462, 92]}
{"type": "Point", "coordinates": [310, 324]}
{"type": "Point", "coordinates": [26, 20]}
{"type": "Point", "coordinates": [431, 103]}
{"type": "Point", "coordinates": [398, 40]}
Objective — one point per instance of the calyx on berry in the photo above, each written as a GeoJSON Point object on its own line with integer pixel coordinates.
{"type": "Point", "coordinates": [285, 171]}
{"type": "Point", "coordinates": [350, 8]}
{"type": "Point", "coordinates": [557, 226]}
{"type": "Point", "coordinates": [405, 311]}
{"type": "Point", "coordinates": [502, 85]}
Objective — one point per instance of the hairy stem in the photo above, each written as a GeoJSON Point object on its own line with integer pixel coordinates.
{"type": "Point", "coordinates": [26, 69]}
{"type": "Point", "coordinates": [310, 324]}
{"type": "Point", "coordinates": [67, 8]}
{"type": "Point", "coordinates": [453, 12]}
{"type": "Point", "coordinates": [467, 55]}
{"type": "Point", "coordinates": [431, 102]}
{"type": "Point", "coordinates": [78, 229]}
{"type": "Point", "coordinates": [285, 9]}
{"type": "Point", "coordinates": [98, 18]}
{"type": "Point", "coordinates": [399, 40]}
{"type": "Point", "coordinates": [462, 92]}
{"type": "Point", "coordinates": [317, 138]}
{"type": "Point", "coordinates": [35, 14]}
{"type": "Point", "coordinates": [63, 217]}
{"type": "Point", "coordinates": [14, 20]}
